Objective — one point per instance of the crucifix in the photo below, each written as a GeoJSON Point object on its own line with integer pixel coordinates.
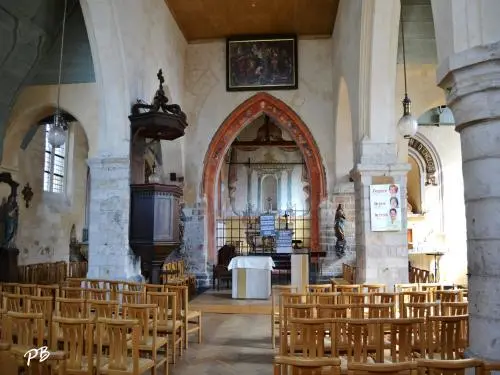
{"type": "Point", "coordinates": [286, 216]}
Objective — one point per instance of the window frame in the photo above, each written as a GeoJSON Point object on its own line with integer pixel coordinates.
{"type": "Point", "coordinates": [50, 152]}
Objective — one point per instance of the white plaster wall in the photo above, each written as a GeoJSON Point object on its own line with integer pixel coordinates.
{"type": "Point", "coordinates": [447, 144]}
{"type": "Point", "coordinates": [445, 208]}
{"type": "Point", "coordinates": [36, 102]}
{"type": "Point", "coordinates": [44, 227]}
{"type": "Point", "coordinates": [130, 40]}
{"type": "Point", "coordinates": [208, 103]}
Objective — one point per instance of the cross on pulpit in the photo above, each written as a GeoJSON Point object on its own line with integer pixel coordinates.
{"type": "Point", "coordinates": [286, 216]}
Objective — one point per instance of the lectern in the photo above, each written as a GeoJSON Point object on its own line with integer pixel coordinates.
{"type": "Point", "coordinates": [155, 207]}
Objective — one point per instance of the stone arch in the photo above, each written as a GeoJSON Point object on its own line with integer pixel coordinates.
{"type": "Point", "coordinates": [287, 119]}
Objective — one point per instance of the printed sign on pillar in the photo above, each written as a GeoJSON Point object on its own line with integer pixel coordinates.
{"type": "Point", "coordinates": [385, 208]}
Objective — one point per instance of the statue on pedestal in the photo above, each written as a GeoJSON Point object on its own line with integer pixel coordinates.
{"type": "Point", "coordinates": [10, 220]}
{"type": "Point", "coordinates": [339, 231]}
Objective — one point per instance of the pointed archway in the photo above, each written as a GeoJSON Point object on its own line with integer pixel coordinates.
{"type": "Point", "coordinates": [287, 119]}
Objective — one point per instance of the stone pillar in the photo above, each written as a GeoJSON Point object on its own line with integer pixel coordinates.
{"type": "Point", "coordinates": [471, 80]}
{"type": "Point", "coordinates": [109, 254]}
{"type": "Point", "coordinates": [381, 257]}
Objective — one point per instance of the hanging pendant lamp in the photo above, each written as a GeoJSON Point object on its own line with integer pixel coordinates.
{"type": "Point", "coordinates": [407, 124]}
{"type": "Point", "coordinates": [59, 126]}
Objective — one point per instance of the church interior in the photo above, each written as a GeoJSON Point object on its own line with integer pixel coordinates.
{"type": "Point", "coordinates": [255, 186]}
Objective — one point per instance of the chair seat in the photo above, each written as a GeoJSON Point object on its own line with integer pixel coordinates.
{"type": "Point", "coordinates": [148, 345]}
{"type": "Point", "coordinates": [83, 365]}
{"type": "Point", "coordinates": [144, 365]}
{"type": "Point", "coordinates": [192, 314]}
{"type": "Point", "coordinates": [169, 326]}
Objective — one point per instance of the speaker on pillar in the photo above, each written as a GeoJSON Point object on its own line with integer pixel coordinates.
{"type": "Point", "coordinates": [173, 177]}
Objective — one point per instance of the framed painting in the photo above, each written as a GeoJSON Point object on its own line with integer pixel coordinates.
{"type": "Point", "coordinates": [261, 63]}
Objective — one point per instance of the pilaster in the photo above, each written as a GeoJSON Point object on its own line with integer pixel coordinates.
{"type": "Point", "coordinates": [110, 256]}
{"type": "Point", "coordinates": [471, 80]}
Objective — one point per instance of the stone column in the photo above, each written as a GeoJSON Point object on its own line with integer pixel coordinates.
{"type": "Point", "coordinates": [381, 257]}
{"type": "Point", "coordinates": [109, 255]}
{"type": "Point", "coordinates": [471, 80]}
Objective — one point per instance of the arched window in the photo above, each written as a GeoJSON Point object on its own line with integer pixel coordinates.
{"type": "Point", "coordinates": [54, 176]}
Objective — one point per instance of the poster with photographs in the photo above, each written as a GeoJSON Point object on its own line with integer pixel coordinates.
{"type": "Point", "coordinates": [385, 207]}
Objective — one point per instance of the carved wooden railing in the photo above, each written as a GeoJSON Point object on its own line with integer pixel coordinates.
{"type": "Point", "coordinates": [418, 275]}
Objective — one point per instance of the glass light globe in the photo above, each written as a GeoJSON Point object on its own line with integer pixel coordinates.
{"type": "Point", "coordinates": [57, 132]}
{"type": "Point", "coordinates": [408, 125]}
{"type": "Point", "coordinates": [154, 178]}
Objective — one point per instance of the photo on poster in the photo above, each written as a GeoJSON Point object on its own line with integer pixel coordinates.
{"type": "Point", "coordinates": [385, 208]}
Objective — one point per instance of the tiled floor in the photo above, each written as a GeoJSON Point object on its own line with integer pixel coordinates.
{"type": "Point", "coordinates": [232, 344]}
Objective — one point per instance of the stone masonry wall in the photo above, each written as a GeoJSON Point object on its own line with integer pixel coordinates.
{"type": "Point", "coordinates": [332, 264]}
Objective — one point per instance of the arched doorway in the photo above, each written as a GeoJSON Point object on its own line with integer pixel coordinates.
{"type": "Point", "coordinates": [287, 119]}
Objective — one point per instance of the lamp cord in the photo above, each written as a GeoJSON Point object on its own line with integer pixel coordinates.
{"type": "Point", "coordinates": [61, 60]}
{"type": "Point", "coordinates": [403, 46]}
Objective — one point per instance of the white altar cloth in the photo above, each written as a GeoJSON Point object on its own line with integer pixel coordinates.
{"type": "Point", "coordinates": [251, 277]}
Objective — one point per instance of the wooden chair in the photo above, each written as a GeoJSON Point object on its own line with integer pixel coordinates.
{"type": "Point", "coordinates": [319, 288]}
{"type": "Point", "coordinates": [76, 338]}
{"type": "Point", "coordinates": [308, 337]}
{"type": "Point", "coordinates": [407, 337]}
{"type": "Point", "coordinates": [98, 294]}
{"type": "Point", "coordinates": [48, 291]}
{"type": "Point", "coordinates": [170, 322]}
{"type": "Point", "coordinates": [347, 288]}
{"type": "Point", "coordinates": [488, 367]}
{"type": "Point", "coordinates": [444, 367]}
{"type": "Point", "coordinates": [191, 317]}
{"type": "Point", "coordinates": [410, 287]}
{"type": "Point", "coordinates": [23, 332]}
{"type": "Point", "coordinates": [447, 336]}
{"type": "Point", "coordinates": [284, 365]}
{"type": "Point", "coordinates": [454, 308]}
{"type": "Point", "coordinates": [27, 289]}
{"type": "Point", "coordinates": [410, 297]}
{"type": "Point", "coordinates": [220, 271]}
{"type": "Point", "coordinates": [15, 302]}
{"type": "Point", "coordinates": [383, 297]}
{"type": "Point", "coordinates": [73, 292]}
{"type": "Point", "coordinates": [276, 293]}
{"type": "Point", "coordinates": [401, 368]}
{"type": "Point", "coordinates": [449, 295]}
{"type": "Point", "coordinates": [119, 332]}
{"type": "Point", "coordinates": [153, 288]}
{"type": "Point", "coordinates": [75, 308]}
{"type": "Point", "coordinates": [373, 288]}
{"type": "Point", "coordinates": [45, 306]}
{"type": "Point", "coordinates": [103, 309]}
{"type": "Point", "coordinates": [132, 296]}
{"type": "Point", "coordinates": [327, 298]}
{"type": "Point", "coordinates": [115, 287]}
{"type": "Point", "coordinates": [134, 287]}
{"type": "Point", "coordinates": [149, 342]}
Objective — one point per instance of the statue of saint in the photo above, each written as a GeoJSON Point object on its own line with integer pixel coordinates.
{"type": "Point", "coordinates": [11, 222]}
{"type": "Point", "coordinates": [339, 231]}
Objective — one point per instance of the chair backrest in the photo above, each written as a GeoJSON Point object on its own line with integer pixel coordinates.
{"type": "Point", "coordinates": [166, 306]}
{"type": "Point", "coordinates": [447, 336]}
{"type": "Point", "coordinates": [15, 302]}
{"type": "Point", "coordinates": [147, 315]}
{"type": "Point", "coordinates": [104, 309]}
{"type": "Point", "coordinates": [458, 367]}
{"type": "Point", "coordinates": [117, 333]}
{"type": "Point", "coordinates": [27, 328]}
{"type": "Point", "coordinates": [307, 336]}
{"type": "Point", "coordinates": [225, 254]}
{"type": "Point", "coordinates": [401, 368]}
{"type": "Point", "coordinates": [77, 336]}
{"type": "Point", "coordinates": [454, 308]}
{"type": "Point", "coordinates": [72, 308]}
{"type": "Point", "coordinates": [284, 365]}
{"type": "Point", "coordinates": [319, 288]}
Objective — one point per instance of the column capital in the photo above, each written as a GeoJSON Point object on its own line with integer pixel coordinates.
{"type": "Point", "coordinates": [368, 170]}
{"type": "Point", "coordinates": [471, 80]}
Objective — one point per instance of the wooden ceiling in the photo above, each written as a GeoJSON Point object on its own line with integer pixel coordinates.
{"type": "Point", "coordinates": [213, 19]}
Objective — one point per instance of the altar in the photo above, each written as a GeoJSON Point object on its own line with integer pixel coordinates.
{"type": "Point", "coordinates": [251, 277]}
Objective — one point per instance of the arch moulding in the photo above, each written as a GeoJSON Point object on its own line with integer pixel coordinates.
{"type": "Point", "coordinates": [285, 118]}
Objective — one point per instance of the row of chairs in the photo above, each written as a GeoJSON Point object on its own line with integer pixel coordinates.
{"type": "Point", "coordinates": [169, 302]}
{"type": "Point", "coordinates": [284, 365]}
{"type": "Point", "coordinates": [51, 273]}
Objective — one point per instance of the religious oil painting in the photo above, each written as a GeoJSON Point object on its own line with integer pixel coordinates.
{"type": "Point", "coordinates": [262, 63]}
